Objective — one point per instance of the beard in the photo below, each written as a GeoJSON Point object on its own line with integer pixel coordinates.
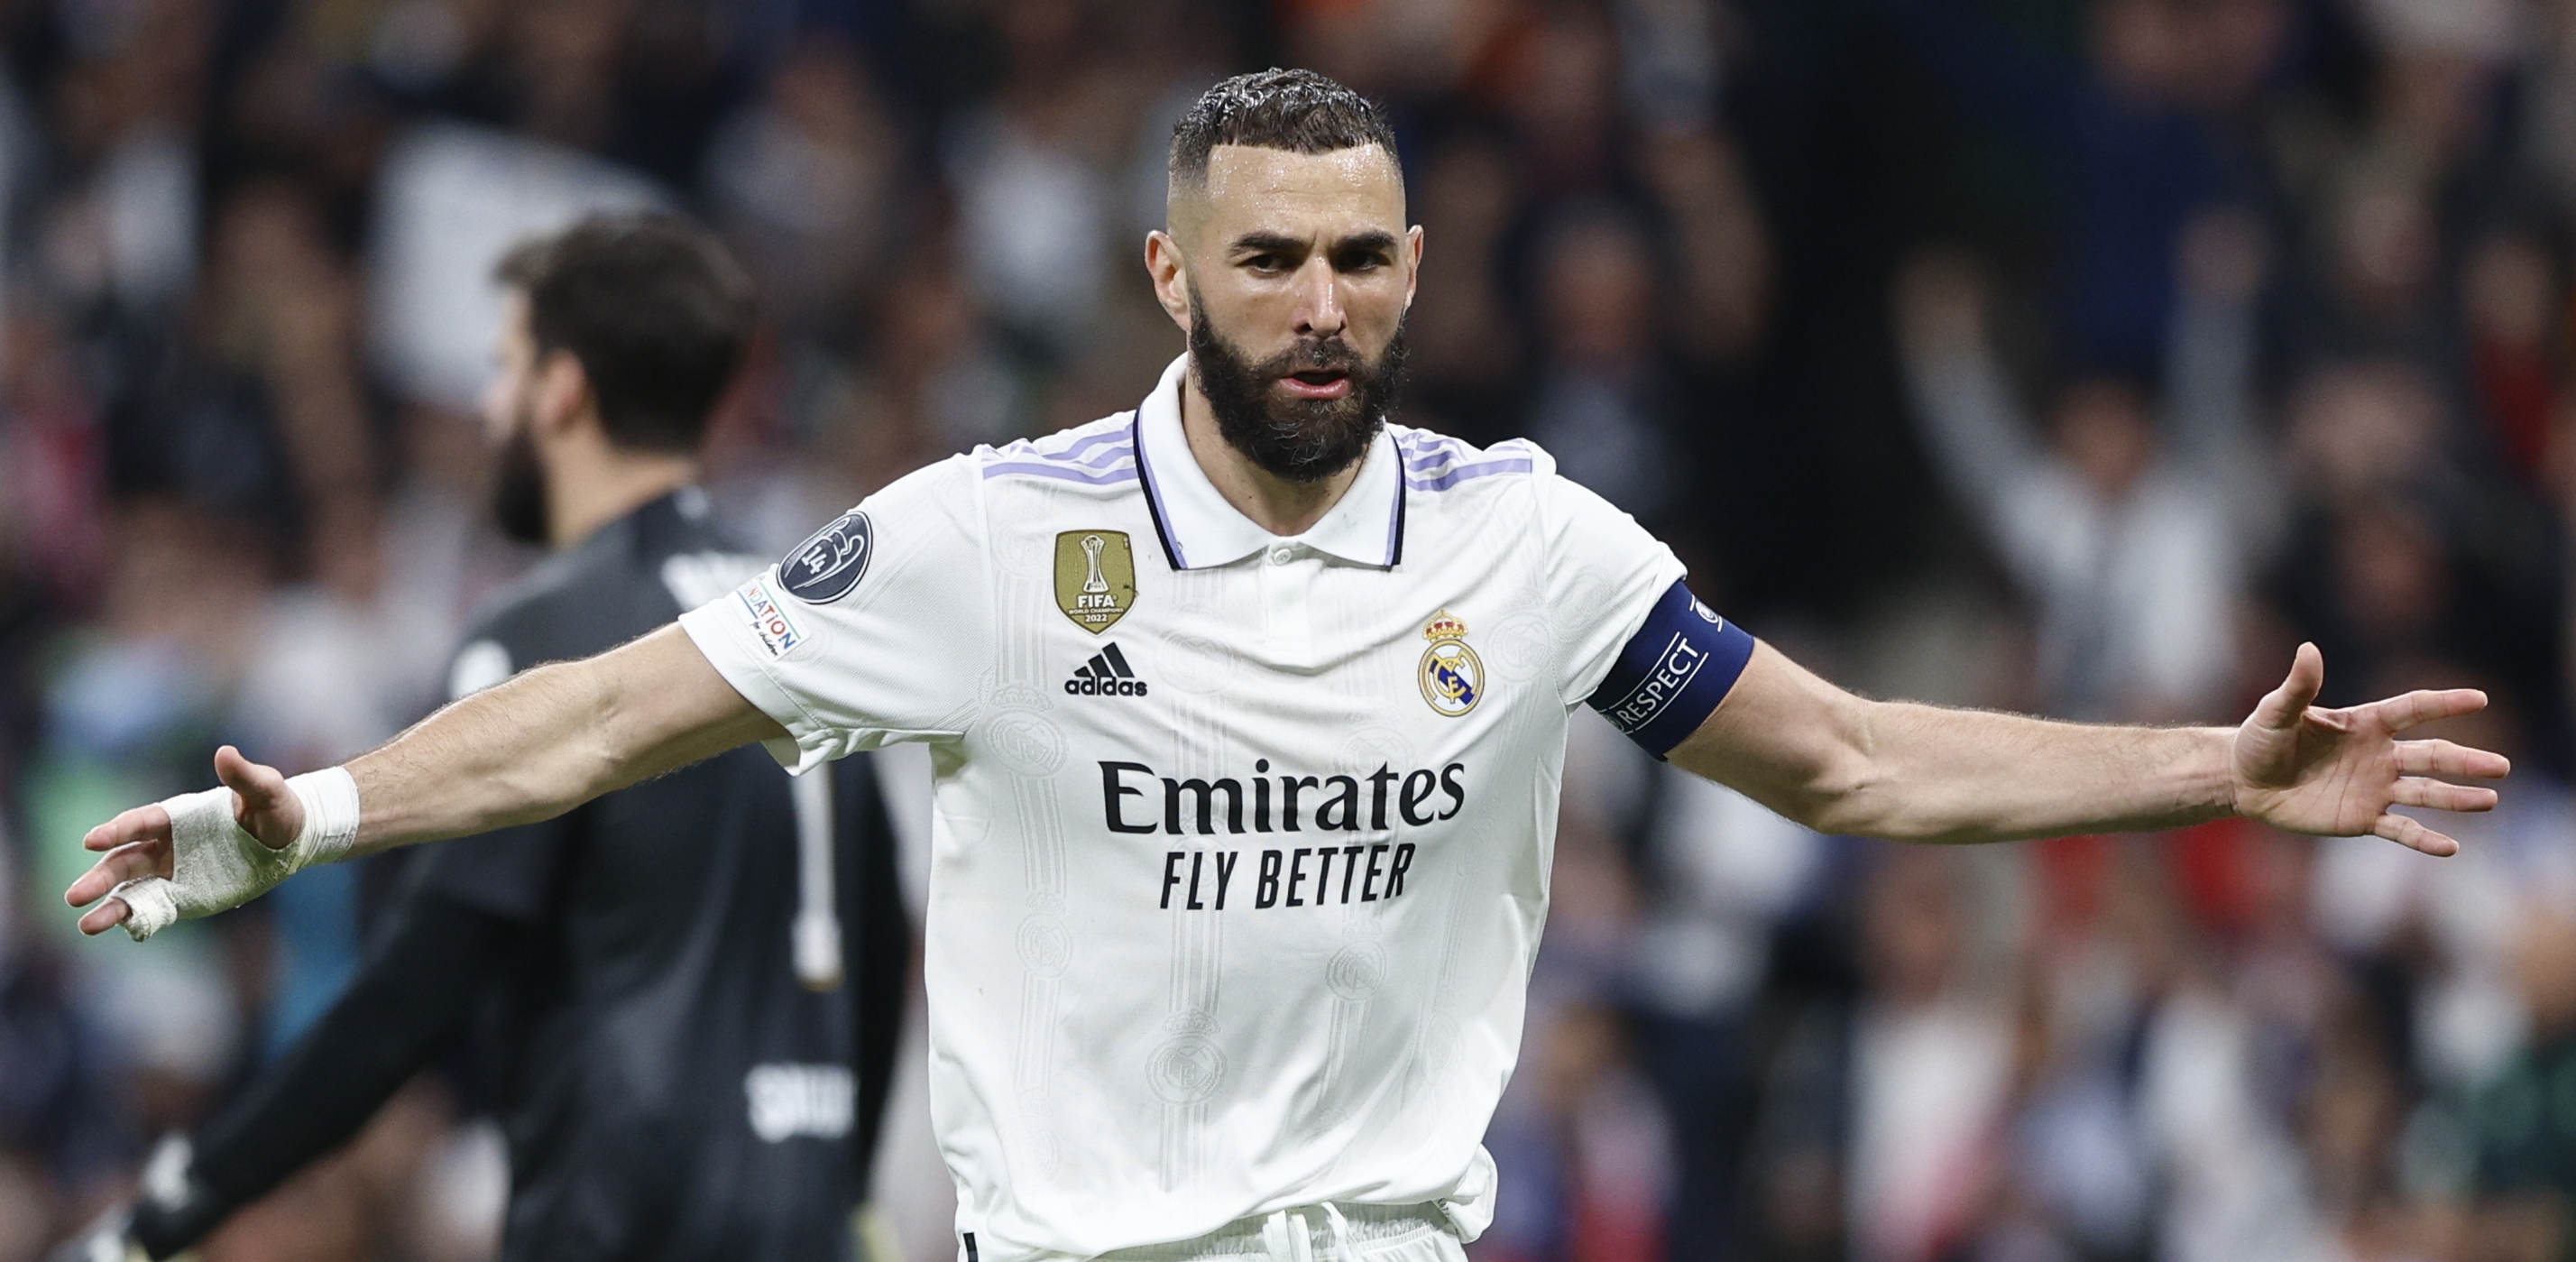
{"type": "Point", "coordinates": [519, 503]}
{"type": "Point", "coordinates": [1301, 440]}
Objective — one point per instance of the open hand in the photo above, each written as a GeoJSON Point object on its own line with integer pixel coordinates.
{"type": "Point", "coordinates": [2335, 773]}
{"type": "Point", "coordinates": [137, 842]}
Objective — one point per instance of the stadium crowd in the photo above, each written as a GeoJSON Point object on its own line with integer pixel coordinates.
{"type": "Point", "coordinates": [2080, 356]}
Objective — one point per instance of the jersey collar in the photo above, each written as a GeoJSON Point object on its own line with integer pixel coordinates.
{"type": "Point", "coordinates": [1200, 530]}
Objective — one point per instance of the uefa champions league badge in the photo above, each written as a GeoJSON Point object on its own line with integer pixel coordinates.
{"type": "Point", "coordinates": [1453, 679]}
{"type": "Point", "coordinates": [828, 564]}
{"type": "Point", "coordinates": [1095, 577]}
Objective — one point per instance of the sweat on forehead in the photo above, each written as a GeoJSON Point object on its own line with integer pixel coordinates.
{"type": "Point", "coordinates": [1295, 110]}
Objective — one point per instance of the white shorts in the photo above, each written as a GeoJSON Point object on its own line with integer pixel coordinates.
{"type": "Point", "coordinates": [1365, 1233]}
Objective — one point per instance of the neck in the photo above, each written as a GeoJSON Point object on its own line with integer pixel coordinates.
{"type": "Point", "coordinates": [1274, 503]}
{"type": "Point", "coordinates": [606, 483]}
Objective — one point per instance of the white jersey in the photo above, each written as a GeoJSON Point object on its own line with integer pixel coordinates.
{"type": "Point", "coordinates": [1241, 842]}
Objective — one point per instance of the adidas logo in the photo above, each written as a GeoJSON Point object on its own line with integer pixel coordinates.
{"type": "Point", "coordinates": [1105, 675]}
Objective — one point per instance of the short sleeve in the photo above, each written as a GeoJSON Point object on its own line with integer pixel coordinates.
{"type": "Point", "coordinates": [877, 628]}
{"type": "Point", "coordinates": [1604, 576]}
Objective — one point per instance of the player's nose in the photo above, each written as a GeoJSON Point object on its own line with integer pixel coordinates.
{"type": "Point", "coordinates": [1320, 312]}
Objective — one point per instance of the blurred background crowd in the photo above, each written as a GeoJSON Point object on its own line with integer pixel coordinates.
{"type": "Point", "coordinates": [2080, 357]}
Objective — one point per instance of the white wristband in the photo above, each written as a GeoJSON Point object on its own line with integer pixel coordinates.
{"type": "Point", "coordinates": [330, 798]}
{"type": "Point", "coordinates": [215, 864]}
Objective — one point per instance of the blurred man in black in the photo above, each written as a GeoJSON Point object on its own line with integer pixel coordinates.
{"type": "Point", "coordinates": [681, 1067]}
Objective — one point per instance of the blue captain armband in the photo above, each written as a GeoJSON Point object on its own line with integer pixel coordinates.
{"type": "Point", "coordinates": [1673, 672]}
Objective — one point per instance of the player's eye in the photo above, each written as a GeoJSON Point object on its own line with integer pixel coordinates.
{"type": "Point", "coordinates": [1266, 264]}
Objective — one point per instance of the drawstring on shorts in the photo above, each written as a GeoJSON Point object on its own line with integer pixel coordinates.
{"type": "Point", "coordinates": [1285, 1234]}
{"type": "Point", "coordinates": [1341, 1233]}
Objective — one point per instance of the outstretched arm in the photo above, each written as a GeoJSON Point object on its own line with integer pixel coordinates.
{"type": "Point", "coordinates": [1844, 764]}
{"type": "Point", "coordinates": [546, 741]}
{"type": "Point", "coordinates": [551, 739]}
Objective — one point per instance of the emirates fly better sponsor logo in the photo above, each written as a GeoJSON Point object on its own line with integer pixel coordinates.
{"type": "Point", "coordinates": [1332, 839]}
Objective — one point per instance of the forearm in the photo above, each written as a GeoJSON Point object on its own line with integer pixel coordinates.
{"type": "Point", "coordinates": [1847, 765]}
{"type": "Point", "coordinates": [549, 740]}
{"type": "Point", "coordinates": [1940, 775]}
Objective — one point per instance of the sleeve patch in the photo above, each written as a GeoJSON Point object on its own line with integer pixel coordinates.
{"type": "Point", "coordinates": [1673, 672]}
{"type": "Point", "coordinates": [829, 563]}
{"type": "Point", "coordinates": [769, 619]}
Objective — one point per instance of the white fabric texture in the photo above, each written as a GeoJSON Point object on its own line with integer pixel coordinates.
{"type": "Point", "coordinates": [1148, 1016]}
{"type": "Point", "coordinates": [216, 864]}
{"type": "Point", "coordinates": [1315, 1233]}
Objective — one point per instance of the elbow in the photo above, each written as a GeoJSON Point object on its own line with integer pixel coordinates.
{"type": "Point", "coordinates": [1860, 816]}
{"type": "Point", "coordinates": [1847, 796]}
{"type": "Point", "coordinates": [1888, 814]}
{"type": "Point", "coordinates": [1856, 791]}
{"type": "Point", "coordinates": [1883, 816]}
{"type": "Point", "coordinates": [579, 760]}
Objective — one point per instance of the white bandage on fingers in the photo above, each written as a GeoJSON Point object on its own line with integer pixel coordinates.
{"type": "Point", "coordinates": [149, 908]}
{"type": "Point", "coordinates": [217, 865]}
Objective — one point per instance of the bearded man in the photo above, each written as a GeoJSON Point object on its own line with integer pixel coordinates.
{"type": "Point", "coordinates": [1248, 710]}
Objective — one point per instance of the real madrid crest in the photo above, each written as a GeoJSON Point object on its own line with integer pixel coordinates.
{"type": "Point", "coordinates": [1095, 577]}
{"type": "Point", "coordinates": [1453, 680]}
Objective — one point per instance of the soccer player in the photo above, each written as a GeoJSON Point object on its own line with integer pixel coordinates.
{"type": "Point", "coordinates": [683, 1070]}
{"type": "Point", "coordinates": [1248, 709]}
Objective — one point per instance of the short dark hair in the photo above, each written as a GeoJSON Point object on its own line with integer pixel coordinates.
{"type": "Point", "coordinates": [1296, 110]}
{"type": "Point", "coordinates": [654, 308]}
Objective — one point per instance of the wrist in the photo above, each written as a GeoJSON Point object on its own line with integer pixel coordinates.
{"type": "Point", "coordinates": [2216, 791]}
{"type": "Point", "coordinates": [330, 800]}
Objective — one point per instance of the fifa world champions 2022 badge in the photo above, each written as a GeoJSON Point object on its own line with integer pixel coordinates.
{"type": "Point", "coordinates": [1453, 678]}
{"type": "Point", "coordinates": [1095, 577]}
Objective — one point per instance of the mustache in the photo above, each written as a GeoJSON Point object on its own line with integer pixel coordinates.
{"type": "Point", "coordinates": [1299, 439]}
{"type": "Point", "coordinates": [1314, 354]}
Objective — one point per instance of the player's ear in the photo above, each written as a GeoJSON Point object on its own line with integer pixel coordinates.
{"type": "Point", "coordinates": [1171, 276]}
{"type": "Point", "coordinates": [1413, 270]}
{"type": "Point", "coordinates": [562, 391]}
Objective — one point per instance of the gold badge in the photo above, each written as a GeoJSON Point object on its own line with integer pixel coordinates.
{"type": "Point", "coordinates": [1095, 577]}
{"type": "Point", "coordinates": [1453, 680]}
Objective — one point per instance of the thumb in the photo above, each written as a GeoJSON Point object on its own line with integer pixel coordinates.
{"type": "Point", "coordinates": [268, 809]}
{"type": "Point", "coordinates": [2282, 706]}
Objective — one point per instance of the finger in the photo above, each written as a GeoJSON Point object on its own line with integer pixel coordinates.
{"type": "Point", "coordinates": [2282, 707]}
{"type": "Point", "coordinates": [2412, 834]}
{"type": "Point", "coordinates": [2442, 758]}
{"type": "Point", "coordinates": [2442, 795]}
{"type": "Point", "coordinates": [118, 867]}
{"type": "Point", "coordinates": [262, 787]}
{"type": "Point", "coordinates": [2401, 713]}
{"type": "Point", "coordinates": [267, 808]}
{"type": "Point", "coordinates": [104, 917]}
{"type": "Point", "coordinates": [143, 823]}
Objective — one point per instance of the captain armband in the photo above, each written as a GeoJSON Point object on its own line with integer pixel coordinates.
{"type": "Point", "coordinates": [1673, 672]}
